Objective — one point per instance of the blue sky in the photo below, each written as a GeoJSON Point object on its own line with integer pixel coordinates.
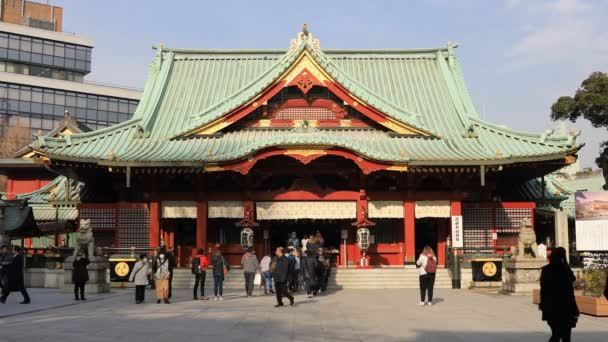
{"type": "Point", "coordinates": [518, 56]}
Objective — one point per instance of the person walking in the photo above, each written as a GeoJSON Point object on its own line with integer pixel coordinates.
{"type": "Point", "coordinates": [15, 277]}
{"type": "Point", "coordinates": [250, 264]}
{"type": "Point", "coordinates": [282, 272]}
{"type": "Point", "coordinates": [428, 266]}
{"type": "Point", "coordinates": [161, 278]}
{"type": "Point", "coordinates": [266, 274]}
{"type": "Point", "coordinates": [139, 275]}
{"type": "Point", "coordinates": [557, 301]}
{"type": "Point", "coordinates": [310, 269]}
{"type": "Point", "coordinates": [80, 275]}
{"type": "Point", "coordinates": [199, 269]}
{"type": "Point", "coordinates": [220, 269]}
{"type": "Point", "coordinates": [5, 260]}
{"type": "Point", "coordinates": [324, 259]}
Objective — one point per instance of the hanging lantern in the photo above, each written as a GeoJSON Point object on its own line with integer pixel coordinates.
{"type": "Point", "coordinates": [246, 238]}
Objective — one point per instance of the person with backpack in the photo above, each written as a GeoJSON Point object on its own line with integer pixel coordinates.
{"type": "Point", "coordinates": [199, 269]}
{"type": "Point", "coordinates": [139, 275]}
{"type": "Point", "coordinates": [428, 267]}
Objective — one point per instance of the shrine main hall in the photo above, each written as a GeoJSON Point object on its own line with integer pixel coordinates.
{"type": "Point", "coordinates": [306, 139]}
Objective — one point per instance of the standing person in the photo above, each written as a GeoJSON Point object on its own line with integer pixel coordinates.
{"type": "Point", "coordinates": [312, 245]}
{"type": "Point", "coordinates": [220, 269]}
{"type": "Point", "coordinates": [428, 266]}
{"type": "Point", "coordinates": [294, 285]}
{"type": "Point", "coordinates": [557, 301]}
{"type": "Point", "coordinates": [310, 267]}
{"type": "Point", "coordinates": [153, 267]}
{"type": "Point", "coordinates": [326, 257]}
{"type": "Point", "coordinates": [304, 242]}
{"type": "Point", "coordinates": [139, 275]}
{"type": "Point", "coordinates": [199, 269]}
{"type": "Point", "coordinates": [172, 263]}
{"type": "Point", "coordinates": [161, 276]}
{"type": "Point", "coordinates": [15, 279]}
{"type": "Point", "coordinates": [319, 239]}
{"type": "Point", "coordinates": [80, 275]}
{"type": "Point", "coordinates": [281, 275]}
{"type": "Point", "coordinates": [250, 264]}
{"type": "Point", "coordinates": [266, 274]}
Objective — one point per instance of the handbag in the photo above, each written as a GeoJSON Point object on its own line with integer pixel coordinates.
{"type": "Point", "coordinates": [257, 280]}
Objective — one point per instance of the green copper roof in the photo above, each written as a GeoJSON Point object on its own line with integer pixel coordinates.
{"type": "Point", "coordinates": [422, 88]}
{"type": "Point", "coordinates": [56, 200]}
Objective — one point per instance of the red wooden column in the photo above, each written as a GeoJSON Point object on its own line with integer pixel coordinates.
{"type": "Point", "coordinates": [202, 207]}
{"type": "Point", "coordinates": [409, 223]}
{"type": "Point", "coordinates": [155, 224]}
{"type": "Point", "coordinates": [442, 235]}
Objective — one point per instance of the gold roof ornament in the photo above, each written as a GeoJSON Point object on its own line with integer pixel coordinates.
{"type": "Point", "coordinates": [111, 155]}
{"type": "Point", "coordinates": [305, 29]}
{"type": "Point", "coordinates": [499, 154]}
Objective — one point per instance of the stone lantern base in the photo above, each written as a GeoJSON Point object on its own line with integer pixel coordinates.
{"type": "Point", "coordinates": [522, 275]}
{"type": "Point", "coordinates": [98, 268]}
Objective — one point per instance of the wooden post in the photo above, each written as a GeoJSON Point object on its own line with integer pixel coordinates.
{"type": "Point", "coordinates": [201, 224]}
{"type": "Point", "coordinates": [443, 227]}
{"type": "Point", "coordinates": [409, 223]}
{"type": "Point", "coordinates": [155, 224]}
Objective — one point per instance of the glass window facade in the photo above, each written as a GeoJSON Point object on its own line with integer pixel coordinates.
{"type": "Point", "coordinates": [42, 109]}
{"type": "Point", "coordinates": [46, 53]}
{"type": "Point", "coordinates": [41, 71]}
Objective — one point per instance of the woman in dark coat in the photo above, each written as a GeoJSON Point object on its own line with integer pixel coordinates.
{"type": "Point", "coordinates": [80, 275]}
{"type": "Point", "coordinates": [557, 296]}
{"type": "Point", "coordinates": [310, 267]}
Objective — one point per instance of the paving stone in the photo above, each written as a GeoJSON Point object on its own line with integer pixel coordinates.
{"type": "Point", "coordinates": [349, 315]}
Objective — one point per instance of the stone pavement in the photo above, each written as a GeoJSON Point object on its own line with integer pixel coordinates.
{"type": "Point", "coordinates": [43, 299]}
{"type": "Point", "coordinates": [350, 315]}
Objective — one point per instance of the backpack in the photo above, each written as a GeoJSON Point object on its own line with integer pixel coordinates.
{"type": "Point", "coordinates": [431, 265]}
{"type": "Point", "coordinates": [196, 263]}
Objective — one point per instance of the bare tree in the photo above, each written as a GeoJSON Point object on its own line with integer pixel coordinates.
{"type": "Point", "coordinates": [12, 139]}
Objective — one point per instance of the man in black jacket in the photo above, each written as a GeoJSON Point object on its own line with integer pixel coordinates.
{"type": "Point", "coordinates": [16, 280]}
{"type": "Point", "coordinates": [282, 273]}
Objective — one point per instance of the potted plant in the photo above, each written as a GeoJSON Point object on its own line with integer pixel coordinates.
{"type": "Point", "coordinates": [592, 301]}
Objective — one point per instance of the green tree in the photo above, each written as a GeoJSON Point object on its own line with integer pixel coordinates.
{"type": "Point", "coordinates": [590, 102]}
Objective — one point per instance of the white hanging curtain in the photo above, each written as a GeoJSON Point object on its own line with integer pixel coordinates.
{"type": "Point", "coordinates": [179, 209]}
{"type": "Point", "coordinates": [292, 210]}
{"type": "Point", "coordinates": [432, 209]}
{"type": "Point", "coordinates": [385, 209]}
{"type": "Point", "coordinates": [226, 209]}
{"type": "Point", "coordinates": [216, 209]}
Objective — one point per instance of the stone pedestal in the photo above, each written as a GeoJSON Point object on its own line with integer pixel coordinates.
{"type": "Point", "coordinates": [523, 275]}
{"type": "Point", "coordinates": [98, 268]}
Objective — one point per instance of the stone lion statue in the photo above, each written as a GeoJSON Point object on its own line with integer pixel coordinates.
{"type": "Point", "coordinates": [84, 239]}
{"type": "Point", "coordinates": [527, 238]}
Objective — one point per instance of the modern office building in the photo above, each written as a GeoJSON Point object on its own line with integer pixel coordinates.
{"type": "Point", "coordinates": [42, 73]}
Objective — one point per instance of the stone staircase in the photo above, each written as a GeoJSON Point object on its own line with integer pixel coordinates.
{"type": "Point", "coordinates": [375, 278]}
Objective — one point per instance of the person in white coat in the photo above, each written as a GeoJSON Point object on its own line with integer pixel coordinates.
{"type": "Point", "coordinates": [428, 266]}
{"type": "Point", "coordinates": [139, 275]}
